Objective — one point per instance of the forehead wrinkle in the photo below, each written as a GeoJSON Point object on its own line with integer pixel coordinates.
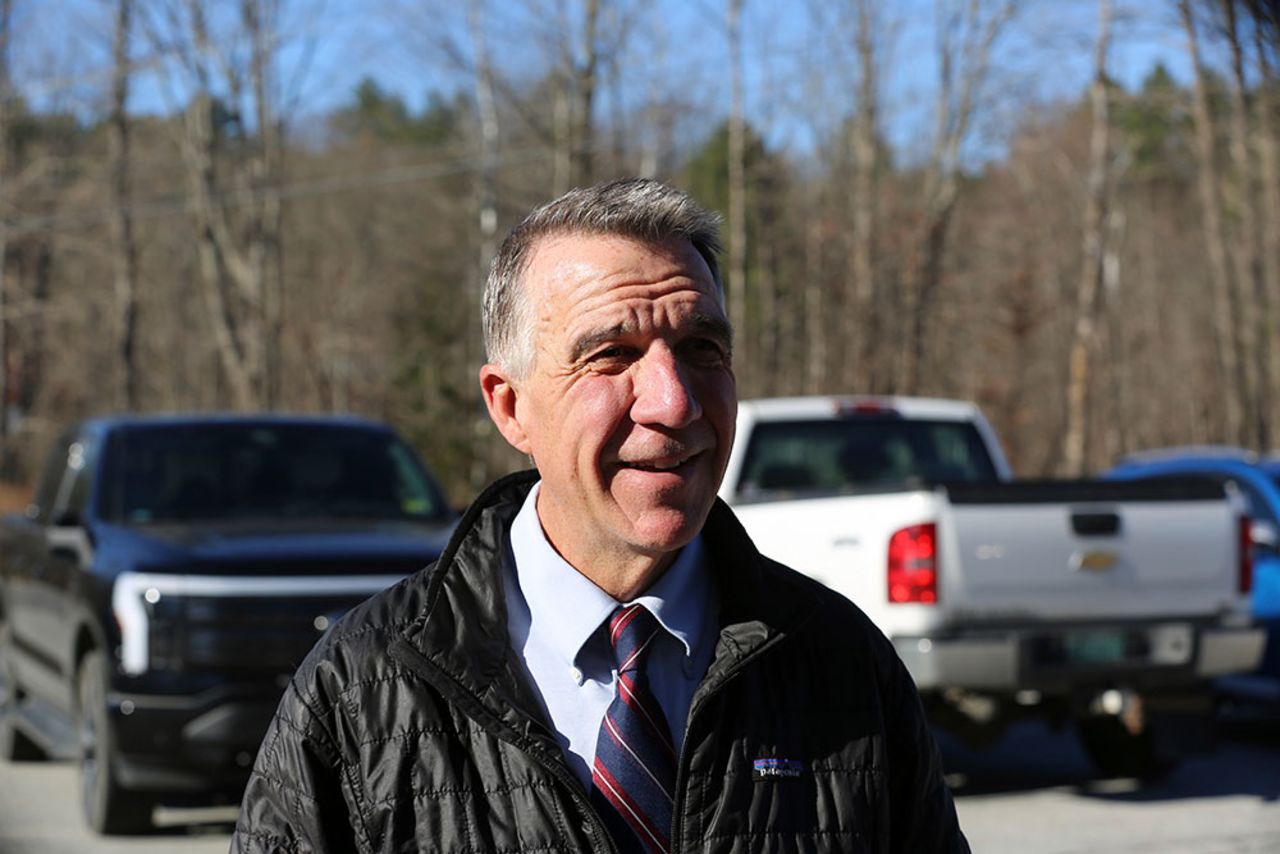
{"type": "Point", "coordinates": [700, 321]}
{"type": "Point", "coordinates": [625, 298]}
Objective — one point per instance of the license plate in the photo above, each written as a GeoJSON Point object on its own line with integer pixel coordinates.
{"type": "Point", "coordinates": [1094, 647]}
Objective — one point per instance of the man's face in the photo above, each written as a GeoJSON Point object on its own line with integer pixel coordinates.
{"type": "Point", "coordinates": [628, 407]}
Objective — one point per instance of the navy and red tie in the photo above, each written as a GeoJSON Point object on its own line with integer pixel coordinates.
{"type": "Point", "coordinates": [634, 772]}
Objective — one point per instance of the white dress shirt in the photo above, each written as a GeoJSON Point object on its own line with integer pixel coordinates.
{"type": "Point", "coordinates": [554, 618]}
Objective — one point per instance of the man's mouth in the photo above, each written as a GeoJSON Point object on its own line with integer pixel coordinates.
{"type": "Point", "coordinates": [669, 464]}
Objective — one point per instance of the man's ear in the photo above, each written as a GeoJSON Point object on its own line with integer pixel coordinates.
{"type": "Point", "coordinates": [500, 395]}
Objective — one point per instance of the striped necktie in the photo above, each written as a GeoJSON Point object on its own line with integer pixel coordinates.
{"type": "Point", "coordinates": [634, 772]}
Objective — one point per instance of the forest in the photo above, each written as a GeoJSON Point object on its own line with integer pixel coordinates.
{"type": "Point", "coordinates": [981, 199]}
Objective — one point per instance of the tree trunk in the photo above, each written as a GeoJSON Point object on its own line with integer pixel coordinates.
{"type": "Point", "coordinates": [487, 214]}
{"type": "Point", "coordinates": [562, 132]}
{"type": "Point", "coordinates": [125, 249]}
{"type": "Point", "coordinates": [815, 318]}
{"type": "Point", "coordinates": [213, 248]}
{"type": "Point", "coordinates": [585, 80]}
{"type": "Point", "coordinates": [1266, 107]}
{"type": "Point", "coordinates": [1248, 260]}
{"type": "Point", "coordinates": [6, 98]}
{"type": "Point", "coordinates": [266, 173]}
{"type": "Point", "coordinates": [737, 284]}
{"type": "Point", "coordinates": [1231, 381]}
{"type": "Point", "coordinates": [1089, 291]}
{"type": "Point", "coordinates": [863, 323]}
{"type": "Point", "coordinates": [233, 191]}
{"type": "Point", "coordinates": [965, 41]}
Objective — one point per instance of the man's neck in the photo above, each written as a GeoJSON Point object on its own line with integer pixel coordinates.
{"type": "Point", "coordinates": [622, 571]}
{"type": "Point", "coordinates": [624, 576]}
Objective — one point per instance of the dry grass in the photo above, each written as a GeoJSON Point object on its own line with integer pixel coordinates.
{"type": "Point", "coordinates": [14, 497]}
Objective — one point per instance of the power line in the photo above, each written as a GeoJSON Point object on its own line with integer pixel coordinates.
{"type": "Point", "coordinates": [168, 206]}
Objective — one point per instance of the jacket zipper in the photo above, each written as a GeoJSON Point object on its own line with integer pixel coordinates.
{"type": "Point", "coordinates": [429, 673]}
{"type": "Point", "coordinates": [699, 702]}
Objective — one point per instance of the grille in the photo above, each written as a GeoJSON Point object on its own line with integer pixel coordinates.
{"type": "Point", "coordinates": [242, 634]}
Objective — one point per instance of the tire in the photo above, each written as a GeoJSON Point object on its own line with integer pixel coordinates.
{"type": "Point", "coordinates": [108, 807]}
{"type": "Point", "coordinates": [1117, 752]}
{"type": "Point", "coordinates": [14, 744]}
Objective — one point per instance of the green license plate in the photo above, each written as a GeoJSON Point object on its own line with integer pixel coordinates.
{"type": "Point", "coordinates": [1095, 647]}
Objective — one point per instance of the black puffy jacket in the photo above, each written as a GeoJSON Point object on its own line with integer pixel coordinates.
{"type": "Point", "coordinates": [408, 727]}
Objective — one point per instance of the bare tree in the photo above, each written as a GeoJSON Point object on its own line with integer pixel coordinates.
{"type": "Point", "coordinates": [966, 35]}
{"type": "Point", "coordinates": [1248, 259]}
{"type": "Point", "coordinates": [6, 102]}
{"type": "Point", "coordinates": [260, 19]}
{"type": "Point", "coordinates": [486, 204]}
{"type": "Point", "coordinates": [575, 78]}
{"type": "Point", "coordinates": [1232, 379]}
{"type": "Point", "coordinates": [125, 246]}
{"type": "Point", "coordinates": [585, 79]}
{"type": "Point", "coordinates": [866, 208]}
{"type": "Point", "coordinates": [1265, 19]}
{"type": "Point", "coordinates": [1089, 292]}
{"type": "Point", "coordinates": [737, 176]}
{"type": "Point", "coordinates": [815, 306]}
{"type": "Point", "coordinates": [233, 195]}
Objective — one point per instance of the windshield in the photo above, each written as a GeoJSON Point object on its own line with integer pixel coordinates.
{"type": "Point", "coordinates": [217, 472]}
{"type": "Point", "coordinates": [840, 455]}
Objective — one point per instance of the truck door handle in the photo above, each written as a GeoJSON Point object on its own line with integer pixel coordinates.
{"type": "Point", "coordinates": [1095, 524]}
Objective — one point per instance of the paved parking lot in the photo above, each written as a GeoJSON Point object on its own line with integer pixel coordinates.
{"type": "Point", "coordinates": [1036, 793]}
{"type": "Point", "coordinates": [1033, 793]}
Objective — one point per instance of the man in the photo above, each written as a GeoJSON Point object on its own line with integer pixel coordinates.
{"type": "Point", "coordinates": [601, 660]}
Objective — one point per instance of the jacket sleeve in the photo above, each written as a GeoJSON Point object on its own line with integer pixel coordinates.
{"type": "Point", "coordinates": [922, 811]}
{"type": "Point", "coordinates": [295, 800]}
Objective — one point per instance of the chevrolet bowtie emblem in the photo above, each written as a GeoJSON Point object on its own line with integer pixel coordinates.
{"type": "Point", "coordinates": [1096, 561]}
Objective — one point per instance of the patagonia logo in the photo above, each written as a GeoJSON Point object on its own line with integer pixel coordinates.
{"type": "Point", "coordinates": [772, 768]}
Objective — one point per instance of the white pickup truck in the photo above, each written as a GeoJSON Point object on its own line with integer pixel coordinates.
{"type": "Point", "coordinates": [1105, 604]}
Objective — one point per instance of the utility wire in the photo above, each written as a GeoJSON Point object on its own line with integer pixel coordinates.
{"type": "Point", "coordinates": [168, 206]}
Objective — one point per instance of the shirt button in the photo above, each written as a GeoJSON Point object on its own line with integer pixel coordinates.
{"type": "Point", "coordinates": [577, 675]}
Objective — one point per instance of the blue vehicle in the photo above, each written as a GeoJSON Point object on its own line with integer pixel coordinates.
{"type": "Point", "coordinates": [169, 576]}
{"type": "Point", "coordinates": [1258, 480]}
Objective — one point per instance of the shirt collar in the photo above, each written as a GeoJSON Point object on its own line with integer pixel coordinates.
{"type": "Point", "coordinates": [566, 608]}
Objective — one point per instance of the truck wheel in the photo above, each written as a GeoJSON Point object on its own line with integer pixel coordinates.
{"type": "Point", "coordinates": [14, 744]}
{"type": "Point", "coordinates": [1117, 752]}
{"type": "Point", "coordinates": [108, 808]}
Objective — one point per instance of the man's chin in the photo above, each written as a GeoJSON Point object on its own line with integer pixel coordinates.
{"type": "Point", "coordinates": [667, 529]}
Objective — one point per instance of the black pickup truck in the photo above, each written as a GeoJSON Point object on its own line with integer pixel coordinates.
{"type": "Point", "coordinates": [171, 574]}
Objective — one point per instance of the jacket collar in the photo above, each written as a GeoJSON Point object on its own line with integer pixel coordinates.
{"type": "Point", "coordinates": [463, 629]}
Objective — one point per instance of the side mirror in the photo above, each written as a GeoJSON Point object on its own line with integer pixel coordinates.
{"type": "Point", "coordinates": [70, 543]}
{"type": "Point", "coordinates": [66, 518]}
{"type": "Point", "coordinates": [1265, 536]}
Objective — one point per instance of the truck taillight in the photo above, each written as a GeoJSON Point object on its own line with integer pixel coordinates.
{"type": "Point", "coordinates": [913, 564]}
{"type": "Point", "coordinates": [1245, 577]}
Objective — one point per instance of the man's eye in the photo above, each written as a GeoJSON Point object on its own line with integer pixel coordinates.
{"type": "Point", "coordinates": [705, 349]}
{"type": "Point", "coordinates": [616, 356]}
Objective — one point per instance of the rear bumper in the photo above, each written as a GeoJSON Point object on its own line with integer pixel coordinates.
{"type": "Point", "coordinates": [1061, 657]}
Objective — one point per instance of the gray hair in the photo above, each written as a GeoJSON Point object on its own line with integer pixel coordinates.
{"type": "Point", "coordinates": [639, 208]}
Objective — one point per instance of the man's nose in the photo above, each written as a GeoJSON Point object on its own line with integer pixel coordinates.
{"type": "Point", "coordinates": [663, 394]}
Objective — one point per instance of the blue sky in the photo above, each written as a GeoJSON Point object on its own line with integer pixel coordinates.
{"type": "Point", "coordinates": [61, 56]}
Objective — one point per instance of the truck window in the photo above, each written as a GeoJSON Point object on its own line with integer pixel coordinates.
{"type": "Point", "coordinates": [74, 492]}
{"type": "Point", "coordinates": [839, 455]}
{"type": "Point", "coordinates": [227, 472]}
{"type": "Point", "coordinates": [51, 481]}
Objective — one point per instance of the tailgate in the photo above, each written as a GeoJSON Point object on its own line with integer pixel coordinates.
{"type": "Point", "coordinates": [1091, 550]}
